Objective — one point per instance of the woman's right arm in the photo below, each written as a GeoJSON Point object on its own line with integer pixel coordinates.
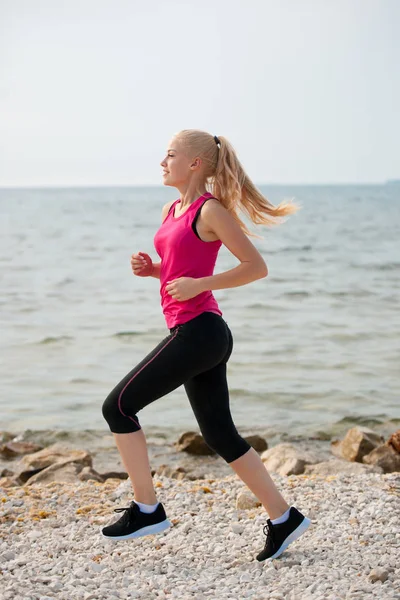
{"type": "Point", "coordinates": [157, 266]}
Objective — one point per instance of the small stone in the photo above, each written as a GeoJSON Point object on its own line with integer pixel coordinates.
{"type": "Point", "coordinates": [378, 574]}
{"type": "Point", "coordinates": [246, 500]}
{"type": "Point", "coordinates": [236, 528]}
{"type": "Point", "coordinates": [56, 586]}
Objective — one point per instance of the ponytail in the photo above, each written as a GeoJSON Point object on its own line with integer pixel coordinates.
{"type": "Point", "coordinates": [230, 184]}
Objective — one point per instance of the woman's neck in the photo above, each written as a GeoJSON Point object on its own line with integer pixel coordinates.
{"type": "Point", "coordinates": [189, 197]}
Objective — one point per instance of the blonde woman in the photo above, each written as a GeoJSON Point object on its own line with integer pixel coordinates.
{"type": "Point", "coordinates": [198, 347]}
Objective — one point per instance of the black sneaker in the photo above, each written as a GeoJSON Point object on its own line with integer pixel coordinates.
{"type": "Point", "coordinates": [134, 523]}
{"type": "Point", "coordinates": [279, 536]}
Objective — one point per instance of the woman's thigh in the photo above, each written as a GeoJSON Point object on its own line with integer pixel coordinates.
{"type": "Point", "coordinates": [189, 350]}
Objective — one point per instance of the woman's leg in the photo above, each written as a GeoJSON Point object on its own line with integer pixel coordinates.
{"type": "Point", "coordinates": [120, 408]}
{"type": "Point", "coordinates": [209, 397]}
{"type": "Point", "coordinates": [180, 356]}
{"type": "Point", "coordinates": [253, 473]}
{"type": "Point", "coordinates": [133, 450]}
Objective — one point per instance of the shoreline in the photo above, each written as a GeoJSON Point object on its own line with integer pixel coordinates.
{"type": "Point", "coordinates": [106, 458]}
{"type": "Point", "coordinates": [97, 451]}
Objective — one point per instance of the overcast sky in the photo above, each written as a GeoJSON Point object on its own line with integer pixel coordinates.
{"type": "Point", "coordinates": [307, 91]}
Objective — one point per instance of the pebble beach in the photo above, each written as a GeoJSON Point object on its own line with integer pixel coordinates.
{"type": "Point", "coordinates": [52, 548]}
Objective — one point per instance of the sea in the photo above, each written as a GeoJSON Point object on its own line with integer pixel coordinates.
{"type": "Point", "coordinates": [316, 343]}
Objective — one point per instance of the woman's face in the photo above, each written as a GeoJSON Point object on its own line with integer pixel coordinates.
{"type": "Point", "coordinates": [176, 165]}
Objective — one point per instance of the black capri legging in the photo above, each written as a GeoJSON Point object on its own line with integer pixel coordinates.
{"type": "Point", "coordinates": [193, 354]}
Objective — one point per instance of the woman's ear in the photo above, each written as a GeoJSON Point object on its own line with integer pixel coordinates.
{"type": "Point", "coordinates": [196, 163]}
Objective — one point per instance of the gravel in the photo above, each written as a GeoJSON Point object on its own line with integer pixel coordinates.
{"type": "Point", "coordinates": [51, 547]}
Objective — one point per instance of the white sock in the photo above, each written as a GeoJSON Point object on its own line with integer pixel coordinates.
{"type": "Point", "coordinates": [282, 518]}
{"type": "Point", "coordinates": [146, 508]}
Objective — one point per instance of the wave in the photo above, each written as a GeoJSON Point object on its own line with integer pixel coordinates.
{"type": "Point", "coordinates": [390, 266]}
{"type": "Point", "coordinates": [126, 333]}
{"type": "Point", "coordinates": [54, 340]}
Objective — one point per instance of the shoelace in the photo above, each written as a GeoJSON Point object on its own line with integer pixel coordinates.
{"type": "Point", "coordinates": [131, 512]}
{"type": "Point", "coordinates": [268, 530]}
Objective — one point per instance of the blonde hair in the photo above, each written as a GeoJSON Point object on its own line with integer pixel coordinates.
{"type": "Point", "coordinates": [226, 179]}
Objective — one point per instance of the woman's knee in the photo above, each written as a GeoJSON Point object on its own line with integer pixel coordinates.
{"type": "Point", "coordinates": [116, 419]}
{"type": "Point", "coordinates": [228, 444]}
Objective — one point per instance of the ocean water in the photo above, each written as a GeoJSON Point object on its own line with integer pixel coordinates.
{"type": "Point", "coordinates": [316, 343]}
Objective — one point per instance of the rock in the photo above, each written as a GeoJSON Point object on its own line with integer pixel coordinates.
{"type": "Point", "coordinates": [286, 459]}
{"type": "Point", "coordinates": [394, 441]}
{"type": "Point", "coordinates": [89, 474]}
{"type": "Point", "coordinates": [12, 449]}
{"type": "Point", "coordinates": [6, 473]}
{"type": "Point", "coordinates": [6, 482]}
{"type": "Point", "coordinates": [385, 457]}
{"type": "Point", "coordinates": [31, 464]}
{"type": "Point", "coordinates": [194, 477]}
{"type": "Point", "coordinates": [65, 473]}
{"type": "Point", "coordinates": [336, 448]}
{"type": "Point", "coordinates": [116, 475]}
{"type": "Point", "coordinates": [174, 473]}
{"type": "Point", "coordinates": [6, 436]}
{"type": "Point", "coordinates": [335, 466]}
{"type": "Point", "coordinates": [357, 442]}
{"type": "Point", "coordinates": [378, 574]}
{"type": "Point", "coordinates": [193, 443]}
{"type": "Point", "coordinates": [247, 500]}
{"type": "Point", "coordinates": [257, 442]}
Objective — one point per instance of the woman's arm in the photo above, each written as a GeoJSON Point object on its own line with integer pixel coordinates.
{"type": "Point", "coordinates": [156, 270]}
{"type": "Point", "coordinates": [252, 265]}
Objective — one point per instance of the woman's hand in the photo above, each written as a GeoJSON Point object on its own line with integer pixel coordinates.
{"type": "Point", "coordinates": [141, 264]}
{"type": "Point", "coordinates": [184, 288]}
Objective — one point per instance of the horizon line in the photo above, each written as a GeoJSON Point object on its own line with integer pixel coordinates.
{"type": "Point", "coordinates": [160, 185]}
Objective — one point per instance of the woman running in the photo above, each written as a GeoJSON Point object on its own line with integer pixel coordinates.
{"type": "Point", "coordinates": [198, 347]}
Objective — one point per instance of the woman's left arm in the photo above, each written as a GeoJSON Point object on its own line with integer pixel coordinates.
{"type": "Point", "coordinates": [252, 266]}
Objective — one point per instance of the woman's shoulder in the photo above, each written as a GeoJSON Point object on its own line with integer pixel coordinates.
{"type": "Point", "coordinates": [212, 204]}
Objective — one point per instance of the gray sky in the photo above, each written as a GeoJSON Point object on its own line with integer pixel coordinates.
{"type": "Point", "coordinates": [307, 91]}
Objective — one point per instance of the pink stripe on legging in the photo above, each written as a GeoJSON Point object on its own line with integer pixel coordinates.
{"type": "Point", "coordinates": [130, 381]}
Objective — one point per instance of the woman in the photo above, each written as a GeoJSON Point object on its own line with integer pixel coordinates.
{"type": "Point", "coordinates": [196, 351]}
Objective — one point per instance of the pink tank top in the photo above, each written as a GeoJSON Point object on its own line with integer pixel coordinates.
{"type": "Point", "coordinates": [183, 254]}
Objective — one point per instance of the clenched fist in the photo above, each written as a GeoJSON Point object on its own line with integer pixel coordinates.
{"type": "Point", "coordinates": [141, 264]}
{"type": "Point", "coordinates": [184, 288]}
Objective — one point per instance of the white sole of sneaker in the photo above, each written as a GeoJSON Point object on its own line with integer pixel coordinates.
{"type": "Point", "coordinates": [305, 524]}
{"type": "Point", "coordinates": [149, 530]}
